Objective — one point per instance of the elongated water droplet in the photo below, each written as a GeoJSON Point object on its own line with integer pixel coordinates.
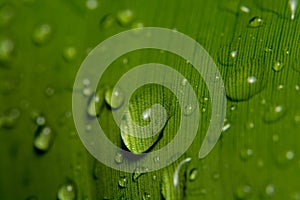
{"type": "Point", "coordinates": [125, 17]}
{"type": "Point", "coordinates": [245, 9]}
{"type": "Point", "coordinates": [6, 49]}
{"type": "Point", "coordinates": [123, 182]}
{"type": "Point", "coordinates": [255, 22]}
{"type": "Point", "coordinates": [246, 81]}
{"type": "Point", "coordinates": [67, 191]}
{"type": "Point", "coordinates": [193, 174]}
{"type": "Point", "coordinates": [95, 104]}
{"type": "Point", "coordinates": [293, 6]}
{"type": "Point", "coordinates": [43, 139]}
{"type": "Point", "coordinates": [114, 98]}
{"type": "Point", "coordinates": [42, 34]}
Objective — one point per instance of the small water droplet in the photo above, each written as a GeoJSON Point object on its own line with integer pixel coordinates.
{"type": "Point", "coordinates": [6, 14]}
{"type": "Point", "coordinates": [69, 53]}
{"type": "Point", "coordinates": [114, 98]}
{"type": "Point", "coordinates": [137, 25]}
{"type": "Point", "coordinates": [42, 34]}
{"type": "Point", "coordinates": [146, 196]}
{"type": "Point", "coordinates": [297, 119]}
{"type": "Point", "coordinates": [9, 118]}
{"type": "Point", "coordinates": [91, 4]}
{"type": "Point", "coordinates": [86, 91]}
{"type": "Point", "coordinates": [156, 159]}
{"type": "Point", "coordinates": [40, 121]}
{"type": "Point", "coordinates": [216, 176]}
{"type": "Point", "coordinates": [67, 191]}
{"type": "Point", "coordinates": [88, 127]}
{"type": "Point", "coordinates": [193, 174]}
{"type": "Point", "coordinates": [188, 109]}
{"type": "Point", "coordinates": [184, 82]}
{"type": "Point", "coordinates": [226, 126]}
{"type": "Point", "coordinates": [274, 113]}
{"type": "Point", "coordinates": [278, 66]}
{"type": "Point", "coordinates": [154, 177]}
{"type": "Point", "coordinates": [249, 125]}
{"type": "Point", "coordinates": [107, 21]}
{"type": "Point", "coordinates": [243, 191]}
{"type": "Point", "coordinates": [255, 22]}
{"type": "Point", "coordinates": [270, 190]}
{"type": "Point", "coordinates": [123, 182]}
{"type": "Point", "coordinates": [125, 17]}
{"type": "Point", "coordinates": [138, 172]}
{"type": "Point", "coordinates": [43, 139]}
{"type": "Point", "coordinates": [6, 49]}
{"type": "Point", "coordinates": [49, 91]}
{"type": "Point", "coordinates": [245, 9]}
{"type": "Point", "coordinates": [246, 154]}
{"type": "Point", "coordinates": [119, 158]}
{"type": "Point", "coordinates": [275, 138]}
{"type": "Point", "coordinates": [285, 157]}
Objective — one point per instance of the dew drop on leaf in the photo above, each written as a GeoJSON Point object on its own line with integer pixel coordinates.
{"type": "Point", "coordinates": [67, 191]}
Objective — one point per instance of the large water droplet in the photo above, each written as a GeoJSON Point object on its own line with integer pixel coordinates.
{"type": "Point", "coordinates": [245, 81]}
{"type": "Point", "coordinates": [43, 139]}
{"type": "Point", "coordinates": [6, 49]}
{"type": "Point", "coordinates": [42, 34]}
{"type": "Point", "coordinates": [114, 98]}
{"type": "Point", "coordinates": [67, 191]}
{"type": "Point", "coordinates": [255, 22]}
{"type": "Point", "coordinates": [125, 17]}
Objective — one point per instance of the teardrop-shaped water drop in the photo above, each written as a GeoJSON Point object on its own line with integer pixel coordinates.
{"type": "Point", "coordinates": [43, 139]}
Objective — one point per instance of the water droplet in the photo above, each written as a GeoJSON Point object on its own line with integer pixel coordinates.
{"type": "Point", "coordinates": [119, 158]}
{"type": "Point", "coordinates": [40, 121]}
{"type": "Point", "coordinates": [95, 104]}
{"type": "Point", "coordinates": [6, 49]}
{"type": "Point", "coordinates": [138, 172]}
{"type": "Point", "coordinates": [189, 109]}
{"type": "Point", "coordinates": [193, 174]}
{"type": "Point", "coordinates": [297, 119]}
{"type": "Point", "coordinates": [249, 125]}
{"type": "Point", "coordinates": [285, 157]}
{"type": "Point", "coordinates": [137, 25]}
{"type": "Point", "coordinates": [9, 118]}
{"type": "Point", "coordinates": [246, 154]}
{"type": "Point", "coordinates": [184, 82]}
{"type": "Point", "coordinates": [270, 190]}
{"type": "Point", "coordinates": [86, 91]}
{"type": "Point", "coordinates": [123, 182]}
{"type": "Point", "coordinates": [43, 139]}
{"type": "Point", "coordinates": [278, 66]}
{"type": "Point", "coordinates": [125, 17]}
{"type": "Point", "coordinates": [275, 138]}
{"type": "Point", "coordinates": [91, 4]}
{"type": "Point", "coordinates": [6, 14]}
{"type": "Point", "coordinates": [296, 65]}
{"type": "Point", "coordinates": [274, 113]}
{"type": "Point", "coordinates": [49, 91]}
{"type": "Point", "coordinates": [69, 53]}
{"type": "Point", "coordinates": [107, 21]}
{"type": "Point", "coordinates": [67, 191]}
{"type": "Point", "coordinates": [289, 155]}
{"type": "Point", "coordinates": [156, 159]}
{"type": "Point", "coordinates": [146, 196]}
{"type": "Point", "coordinates": [245, 9]}
{"type": "Point", "coordinates": [216, 176]}
{"type": "Point", "coordinates": [154, 177]}
{"type": "Point", "coordinates": [255, 22]}
{"type": "Point", "coordinates": [226, 126]}
{"type": "Point", "coordinates": [42, 34]}
{"type": "Point", "coordinates": [293, 6]}
{"type": "Point", "coordinates": [243, 191]}
{"type": "Point", "coordinates": [114, 98]}
{"type": "Point", "coordinates": [246, 81]}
